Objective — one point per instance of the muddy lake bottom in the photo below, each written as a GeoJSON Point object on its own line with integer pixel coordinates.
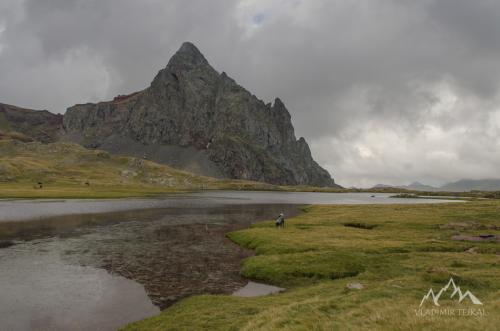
{"type": "Point", "coordinates": [101, 264]}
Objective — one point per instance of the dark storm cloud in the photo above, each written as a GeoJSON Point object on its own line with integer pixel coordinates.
{"type": "Point", "coordinates": [385, 90]}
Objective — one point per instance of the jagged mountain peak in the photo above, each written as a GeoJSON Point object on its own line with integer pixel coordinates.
{"type": "Point", "coordinates": [189, 47]}
{"type": "Point", "coordinates": [188, 56]}
{"type": "Point", "coordinates": [194, 118]}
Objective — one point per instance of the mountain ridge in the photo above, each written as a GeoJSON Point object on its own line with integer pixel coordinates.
{"type": "Point", "coordinates": [462, 185]}
{"type": "Point", "coordinates": [196, 119]}
{"type": "Point", "coordinates": [29, 124]}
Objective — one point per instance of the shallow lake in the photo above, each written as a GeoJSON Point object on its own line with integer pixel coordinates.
{"type": "Point", "coordinates": [19, 209]}
{"type": "Point", "coordinates": [100, 264]}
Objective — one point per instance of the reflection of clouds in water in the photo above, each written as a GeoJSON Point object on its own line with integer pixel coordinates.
{"type": "Point", "coordinates": [41, 291]}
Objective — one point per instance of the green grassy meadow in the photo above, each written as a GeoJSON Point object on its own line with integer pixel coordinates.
{"type": "Point", "coordinates": [397, 252]}
{"type": "Point", "coordinates": [72, 171]}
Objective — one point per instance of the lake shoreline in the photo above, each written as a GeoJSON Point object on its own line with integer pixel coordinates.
{"type": "Point", "coordinates": [332, 269]}
{"type": "Point", "coordinates": [175, 248]}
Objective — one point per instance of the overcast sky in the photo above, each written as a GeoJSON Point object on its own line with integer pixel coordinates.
{"type": "Point", "coordinates": [384, 91]}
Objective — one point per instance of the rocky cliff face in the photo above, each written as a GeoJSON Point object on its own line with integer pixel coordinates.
{"type": "Point", "coordinates": [29, 125]}
{"type": "Point", "coordinates": [189, 106]}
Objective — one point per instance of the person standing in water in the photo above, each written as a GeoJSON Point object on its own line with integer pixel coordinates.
{"type": "Point", "coordinates": [280, 221]}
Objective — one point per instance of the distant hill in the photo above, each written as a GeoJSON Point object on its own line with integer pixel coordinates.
{"type": "Point", "coordinates": [421, 187]}
{"type": "Point", "coordinates": [466, 185]}
{"type": "Point", "coordinates": [463, 185]}
{"type": "Point", "coordinates": [415, 186]}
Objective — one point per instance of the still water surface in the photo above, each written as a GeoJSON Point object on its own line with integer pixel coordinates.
{"type": "Point", "coordinates": [14, 210]}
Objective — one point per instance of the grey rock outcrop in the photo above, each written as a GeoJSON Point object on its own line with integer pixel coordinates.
{"type": "Point", "coordinates": [189, 105]}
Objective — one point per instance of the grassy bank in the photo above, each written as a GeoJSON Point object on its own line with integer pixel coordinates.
{"type": "Point", "coordinates": [68, 191]}
{"type": "Point", "coordinates": [397, 252]}
{"type": "Point", "coordinates": [60, 170]}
